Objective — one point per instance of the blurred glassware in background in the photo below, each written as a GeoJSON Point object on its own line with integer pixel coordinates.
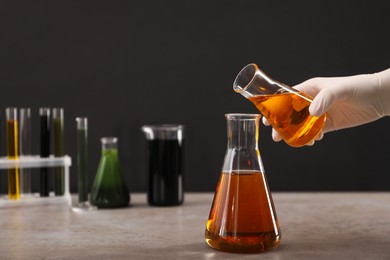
{"type": "Point", "coordinates": [25, 150]}
{"type": "Point", "coordinates": [109, 189]}
{"type": "Point", "coordinates": [12, 152]}
{"type": "Point", "coordinates": [44, 114]}
{"type": "Point", "coordinates": [59, 149]}
{"type": "Point", "coordinates": [165, 164]}
{"type": "Point", "coordinates": [82, 166]}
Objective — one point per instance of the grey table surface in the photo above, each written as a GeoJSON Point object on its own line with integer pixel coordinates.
{"type": "Point", "coordinates": [313, 225]}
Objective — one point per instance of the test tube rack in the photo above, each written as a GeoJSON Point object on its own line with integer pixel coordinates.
{"type": "Point", "coordinates": [37, 162]}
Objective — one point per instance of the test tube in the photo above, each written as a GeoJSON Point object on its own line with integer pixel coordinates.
{"type": "Point", "coordinates": [25, 148]}
{"type": "Point", "coordinates": [82, 158]}
{"type": "Point", "coordinates": [44, 114]}
{"type": "Point", "coordinates": [83, 204]}
{"type": "Point", "coordinates": [59, 151]}
{"type": "Point", "coordinates": [12, 152]}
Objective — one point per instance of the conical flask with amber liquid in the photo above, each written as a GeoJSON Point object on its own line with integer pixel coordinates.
{"type": "Point", "coordinates": [285, 108]}
{"type": "Point", "coordinates": [242, 217]}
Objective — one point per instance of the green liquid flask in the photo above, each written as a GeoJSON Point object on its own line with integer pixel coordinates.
{"type": "Point", "coordinates": [109, 189]}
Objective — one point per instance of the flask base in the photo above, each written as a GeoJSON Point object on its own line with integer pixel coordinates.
{"type": "Point", "coordinates": [244, 243]}
{"type": "Point", "coordinates": [111, 204]}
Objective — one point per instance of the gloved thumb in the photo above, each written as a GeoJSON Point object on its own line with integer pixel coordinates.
{"type": "Point", "coordinates": [322, 102]}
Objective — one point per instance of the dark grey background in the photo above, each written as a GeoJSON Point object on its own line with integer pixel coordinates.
{"type": "Point", "coordinates": [128, 63]}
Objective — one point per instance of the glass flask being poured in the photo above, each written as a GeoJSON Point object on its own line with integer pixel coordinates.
{"type": "Point", "coordinates": [285, 108]}
{"type": "Point", "coordinates": [109, 189]}
{"type": "Point", "coordinates": [242, 217]}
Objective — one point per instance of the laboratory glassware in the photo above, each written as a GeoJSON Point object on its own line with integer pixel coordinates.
{"type": "Point", "coordinates": [285, 108]}
{"type": "Point", "coordinates": [44, 114]}
{"type": "Point", "coordinates": [12, 152]}
{"type": "Point", "coordinates": [165, 164]}
{"type": "Point", "coordinates": [59, 149]}
{"type": "Point", "coordinates": [109, 189]}
{"type": "Point", "coordinates": [25, 149]}
{"type": "Point", "coordinates": [242, 218]}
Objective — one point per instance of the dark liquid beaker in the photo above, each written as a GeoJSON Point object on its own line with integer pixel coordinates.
{"type": "Point", "coordinates": [165, 166]}
{"type": "Point", "coordinates": [242, 217]}
{"type": "Point", "coordinates": [109, 189]}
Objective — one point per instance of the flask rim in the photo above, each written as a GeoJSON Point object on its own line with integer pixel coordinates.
{"type": "Point", "coordinates": [109, 140]}
{"type": "Point", "coordinates": [164, 127]}
{"type": "Point", "coordinates": [236, 86]}
{"type": "Point", "coordinates": [242, 116]}
{"type": "Point", "coordinates": [164, 131]}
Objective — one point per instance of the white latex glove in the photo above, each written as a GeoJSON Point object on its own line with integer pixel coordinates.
{"type": "Point", "coordinates": [348, 101]}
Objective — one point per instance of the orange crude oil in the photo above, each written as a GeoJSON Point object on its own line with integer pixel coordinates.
{"type": "Point", "coordinates": [289, 114]}
{"type": "Point", "coordinates": [242, 217]}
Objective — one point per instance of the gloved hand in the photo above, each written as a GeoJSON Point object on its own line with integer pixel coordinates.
{"type": "Point", "coordinates": [348, 101]}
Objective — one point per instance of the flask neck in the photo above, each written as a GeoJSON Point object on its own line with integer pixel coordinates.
{"type": "Point", "coordinates": [109, 143]}
{"type": "Point", "coordinates": [251, 81]}
{"type": "Point", "coordinates": [242, 131]}
{"type": "Point", "coordinates": [242, 154]}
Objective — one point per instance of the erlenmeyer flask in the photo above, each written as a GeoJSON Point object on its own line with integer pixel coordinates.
{"type": "Point", "coordinates": [285, 108]}
{"type": "Point", "coordinates": [109, 189]}
{"type": "Point", "coordinates": [242, 217]}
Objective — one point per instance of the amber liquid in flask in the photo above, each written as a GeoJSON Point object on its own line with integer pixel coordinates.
{"type": "Point", "coordinates": [250, 228]}
{"type": "Point", "coordinates": [242, 218]}
{"type": "Point", "coordinates": [289, 114]}
{"type": "Point", "coordinates": [285, 108]}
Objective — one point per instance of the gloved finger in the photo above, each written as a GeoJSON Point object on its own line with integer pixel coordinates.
{"type": "Point", "coordinates": [309, 87]}
{"type": "Point", "coordinates": [276, 136]}
{"type": "Point", "coordinates": [319, 136]}
{"type": "Point", "coordinates": [311, 143]}
{"type": "Point", "coordinates": [265, 121]}
{"type": "Point", "coordinates": [322, 102]}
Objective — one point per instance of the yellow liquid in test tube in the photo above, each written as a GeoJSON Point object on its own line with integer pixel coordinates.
{"type": "Point", "coordinates": [12, 152]}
